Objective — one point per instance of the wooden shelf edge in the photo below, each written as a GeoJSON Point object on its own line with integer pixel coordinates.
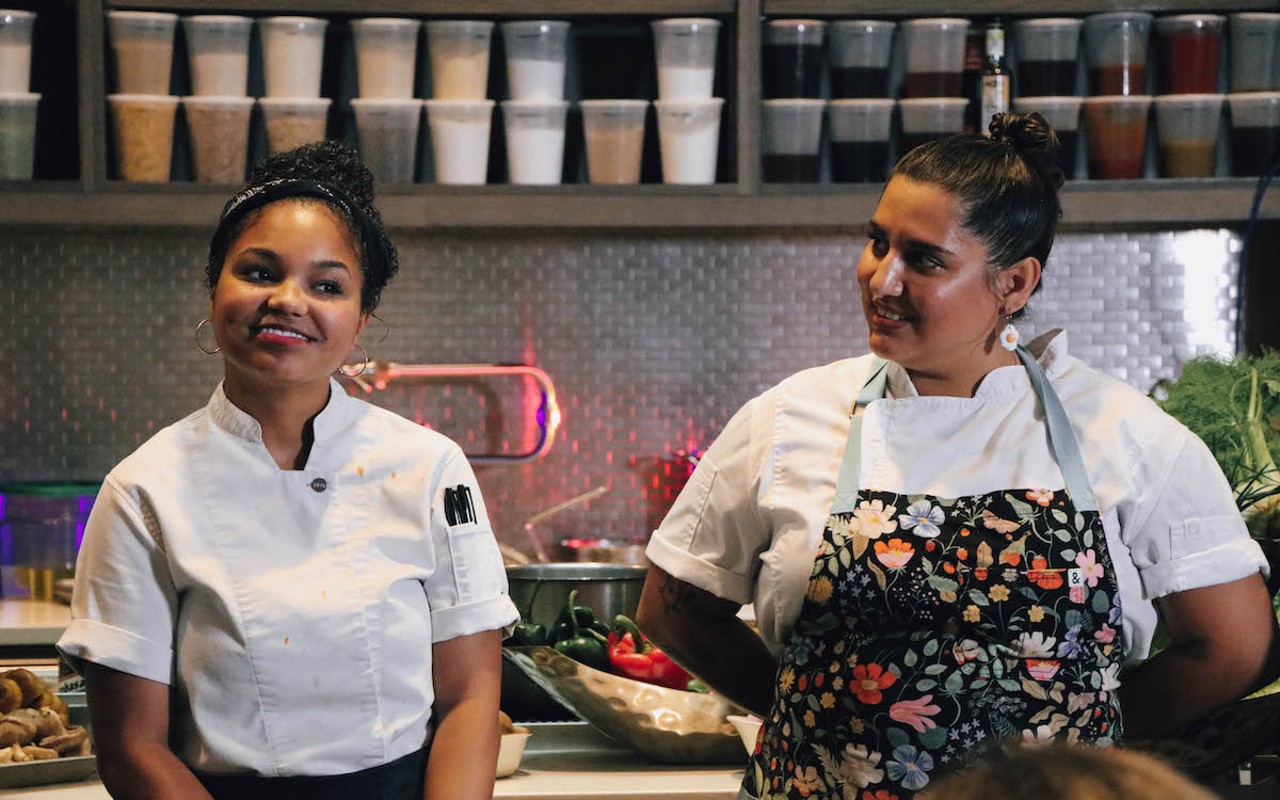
{"type": "Point", "coordinates": [1115, 204]}
{"type": "Point", "coordinates": [1086, 205]}
{"type": "Point", "coordinates": [419, 8]}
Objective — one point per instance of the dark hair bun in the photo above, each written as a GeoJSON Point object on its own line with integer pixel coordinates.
{"type": "Point", "coordinates": [1032, 137]}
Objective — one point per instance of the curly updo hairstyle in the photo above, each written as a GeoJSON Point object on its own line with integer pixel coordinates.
{"type": "Point", "coordinates": [327, 172]}
{"type": "Point", "coordinates": [1008, 184]}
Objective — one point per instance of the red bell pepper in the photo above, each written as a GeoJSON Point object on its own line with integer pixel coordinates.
{"type": "Point", "coordinates": [634, 656]}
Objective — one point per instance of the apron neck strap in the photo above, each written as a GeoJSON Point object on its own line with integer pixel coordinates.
{"type": "Point", "coordinates": [1062, 439]}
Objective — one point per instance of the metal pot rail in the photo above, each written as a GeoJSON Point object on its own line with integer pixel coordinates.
{"type": "Point", "coordinates": [376, 375]}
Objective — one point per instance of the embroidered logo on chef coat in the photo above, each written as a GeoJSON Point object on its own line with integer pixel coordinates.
{"type": "Point", "coordinates": [319, 485]}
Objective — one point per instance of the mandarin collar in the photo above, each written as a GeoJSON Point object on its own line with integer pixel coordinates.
{"type": "Point", "coordinates": [334, 416]}
{"type": "Point", "coordinates": [1049, 349]}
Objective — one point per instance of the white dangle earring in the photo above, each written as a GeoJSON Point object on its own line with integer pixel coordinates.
{"type": "Point", "coordinates": [1009, 336]}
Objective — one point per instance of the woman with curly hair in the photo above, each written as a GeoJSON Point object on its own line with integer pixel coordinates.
{"type": "Point", "coordinates": [276, 597]}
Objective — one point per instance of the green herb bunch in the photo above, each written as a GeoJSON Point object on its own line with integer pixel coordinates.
{"type": "Point", "coordinates": [1234, 407]}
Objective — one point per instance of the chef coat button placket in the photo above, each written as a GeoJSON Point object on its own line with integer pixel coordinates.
{"type": "Point", "coordinates": [319, 485]}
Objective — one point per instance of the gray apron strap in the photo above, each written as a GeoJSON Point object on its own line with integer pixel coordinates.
{"type": "Point", "coordinates": [846, 500]}
{"type": "Point", "coordinates": [1062, 439]}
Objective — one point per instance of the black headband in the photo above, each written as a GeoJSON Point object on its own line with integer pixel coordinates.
{"type": "Point", "coordinates": [372, 247]}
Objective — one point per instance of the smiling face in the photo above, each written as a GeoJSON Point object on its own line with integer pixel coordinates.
{"type": "Point", "coordinates": [286, 308]}
{"type": "Point", "coordinates": [931, 300]}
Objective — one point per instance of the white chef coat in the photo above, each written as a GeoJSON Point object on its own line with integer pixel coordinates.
{"type": "Point", "coordinates": [292, 611]}
{"type": "Point", "coordinates": [747, 525]}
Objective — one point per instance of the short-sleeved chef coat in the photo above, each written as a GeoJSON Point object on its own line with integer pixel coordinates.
{"type": "Point", "coordinates": [293, 612]}
{"type": "Point", "coordinates": [747, 525]}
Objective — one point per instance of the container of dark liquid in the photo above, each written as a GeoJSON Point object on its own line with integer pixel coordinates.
{"type": "Point", "coordinates": [1048, 56]}
{"type": "Point", "coordinates": [860, 129]}
{"type": "Point", "coordinates": [928, 118]}
{"type": "Point", "coordinates": [792, 58]}
{"type": "Point", "coordinates": [617, 61]}
{"type": "Point", "coordinates": [935, 56]}
{"type": "Point", "coordinates": [792, 136]}
{"type": "Point", "coordinates": [1255, 132]}
{"type": "Point", "coordinates": [859, 52]}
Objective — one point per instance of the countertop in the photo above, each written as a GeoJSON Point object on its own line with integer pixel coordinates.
{"type": "Point", "coordinates": [561, 760]}
{"type": "Point", "coordinates": [32, 622]}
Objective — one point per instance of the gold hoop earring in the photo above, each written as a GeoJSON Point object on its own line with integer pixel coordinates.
{"type": "Point", "coordinates": [216, 347]}
{"type": "Point", "coordinates": [347, 369]}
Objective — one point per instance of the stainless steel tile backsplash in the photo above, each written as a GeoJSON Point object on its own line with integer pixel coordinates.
{"type": "Point", "coordinates": [653, 342]}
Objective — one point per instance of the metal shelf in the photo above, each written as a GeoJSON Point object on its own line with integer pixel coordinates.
{"type": "Point", "coordinates": [1086, 205]}
{"type": "Point", "coordinates": [745, 205]}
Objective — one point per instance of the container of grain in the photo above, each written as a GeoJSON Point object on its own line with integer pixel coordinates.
{"type": "Point", "coordinates": [219, 132]}
{"type": "Point", "coordinates": [292, 55]}
{"type": "Point", "coordinates": [218, 46]}
{"type": "Point", "coordinates": [142, 44]}
{"type": "Point", "coordinates": [143, 128]}
{"type": "Point", "coordinates": [294, 121]}
{"type": "Point", "coordinates": [15, 50]}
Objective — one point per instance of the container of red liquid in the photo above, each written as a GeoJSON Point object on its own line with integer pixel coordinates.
{"type": "Point", "coordinates": [1190, 52]}
{"type": "Point", "coordinates": [1116, 135]}
{"type": "Point", "coordinates": [1116, 47]}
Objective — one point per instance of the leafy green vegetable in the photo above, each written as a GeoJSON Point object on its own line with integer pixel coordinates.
{"type": "Point", "coordinates": [1234, 407]}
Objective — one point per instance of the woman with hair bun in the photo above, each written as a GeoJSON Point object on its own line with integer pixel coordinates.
{"type": "Point", "coordinates": [292, 593]}
{"type": "Point", "coordinates": [959, 538]}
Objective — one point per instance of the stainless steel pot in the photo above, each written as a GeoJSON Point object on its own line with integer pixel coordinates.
{"type": "Point", "coordinates": [540, 591]}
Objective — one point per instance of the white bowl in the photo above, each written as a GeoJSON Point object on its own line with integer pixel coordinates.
{"type": "Point", "coordinates": [510, 751]}
{"type": "Point", "coordinates": [748, 730]}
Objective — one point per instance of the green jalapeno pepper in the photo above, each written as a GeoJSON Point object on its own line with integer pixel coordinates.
{"type": "Point", "coordinates": [528, 633]}
{"type": "Point", "coordinates": [582, 643]}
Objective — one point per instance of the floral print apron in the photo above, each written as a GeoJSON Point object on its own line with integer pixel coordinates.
{"type": "Point", "coordinates": [935, 627]}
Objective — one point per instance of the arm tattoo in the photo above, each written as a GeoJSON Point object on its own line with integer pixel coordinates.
{"type": "Point", "coordinates": [675, 595]}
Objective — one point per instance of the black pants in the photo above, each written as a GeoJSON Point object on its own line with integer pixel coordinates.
{"type": "Point", "coordinates": [401, 779]}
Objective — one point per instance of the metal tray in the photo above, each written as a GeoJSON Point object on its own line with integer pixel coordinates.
{"type": "Point", "coordinates": [664, 725]}
{"type": "Point", "coordinates": [55, 770]}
